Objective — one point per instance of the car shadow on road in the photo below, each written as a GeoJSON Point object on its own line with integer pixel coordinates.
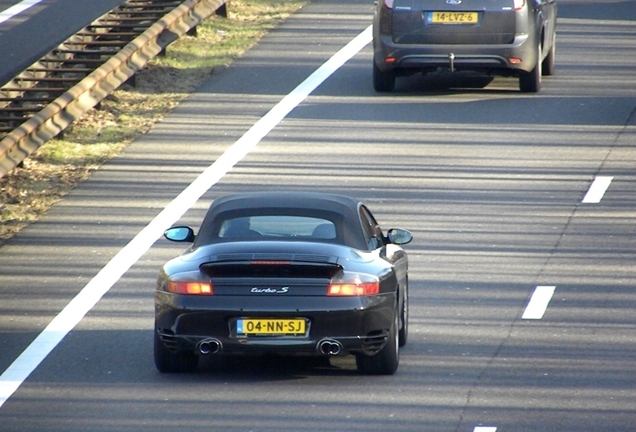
{"type": "Point", "coordinates": [274, 367]}
{"type": "Point", "coordinates": [444, 82]}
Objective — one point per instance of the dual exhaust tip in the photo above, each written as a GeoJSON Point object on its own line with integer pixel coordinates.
{"type": "Point", "coordinates": [209, 346]}
{"type": "Point", "coordinates": [330, 347]}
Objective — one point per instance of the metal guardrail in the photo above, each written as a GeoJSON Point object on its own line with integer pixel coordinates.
{"type": "Point", "coordinates": [85, 55]}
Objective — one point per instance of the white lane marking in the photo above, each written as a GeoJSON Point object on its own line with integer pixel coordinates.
{"type": "Point", "coordinates": [538, 302]}
{"type": "Point", "coordinates": [485, 429]}
{"type": "Point", "coordinates": [73, 313]}
{"type": "Point", "coordinates": [16, 9]}
{"type": "Point", "coordinates": [597, 190]}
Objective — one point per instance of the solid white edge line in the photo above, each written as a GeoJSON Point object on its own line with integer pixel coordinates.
{"type": "Point", "coordinates": [597, 190]}
{"type": "Point", "coordinates": [14, 10]}
{"type": "Point", "coordinates": [87, 298]}
{"type": "Point", "coordinates": [538, 302]}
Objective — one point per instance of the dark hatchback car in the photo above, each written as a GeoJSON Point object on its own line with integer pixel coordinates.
{"type": "Point", "coordinates": [496, 37]}
{"type": "Point", "coordinates": [286, 273]}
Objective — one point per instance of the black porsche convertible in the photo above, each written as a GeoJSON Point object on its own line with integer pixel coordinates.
{"type": "Point", "coordinates": [288, 273]}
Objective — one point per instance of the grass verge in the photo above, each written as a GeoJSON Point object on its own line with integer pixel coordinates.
{"type": "Point", "coordinates": [27, 192]}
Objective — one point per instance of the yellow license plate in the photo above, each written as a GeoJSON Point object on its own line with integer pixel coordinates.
{"type": "Point", "coordinates": [454, 17]}
{"type": "Point", "coordinates": [251, 326]}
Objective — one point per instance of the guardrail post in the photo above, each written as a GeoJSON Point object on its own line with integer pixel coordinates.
{"type": "Point", "coordinates": [222, 11]}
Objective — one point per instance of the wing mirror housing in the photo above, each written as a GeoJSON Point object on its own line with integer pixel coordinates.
{"type": "Point", "coordinates": [180, 234]}
{"type": "Point", "coordinates": [399, 236]}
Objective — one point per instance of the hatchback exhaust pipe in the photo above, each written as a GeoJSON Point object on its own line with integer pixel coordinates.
{"type": "Point", "coordinates": [209, 346]}
{"type": "Point", "coordinates": [330, 347]}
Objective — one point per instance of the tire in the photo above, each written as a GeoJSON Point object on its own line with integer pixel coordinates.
{"type": "Point", "coordinates": [530, 82]}
{"type": "Point", "coordinates": [385, 361]}
{"type": "Point", "coordinates": [167, 361]}
{"type": "Point", "coordinates": [403, 334]}
{"type": "Point", "coordinates": [547, 66]}
{"type": "Point", "coordinates": [383, 81]}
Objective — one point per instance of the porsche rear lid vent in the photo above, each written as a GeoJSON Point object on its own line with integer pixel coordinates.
{"type": "Point", "coordinates": [274, 257]}
{"type": "Point", "coordinates": [270, 269]}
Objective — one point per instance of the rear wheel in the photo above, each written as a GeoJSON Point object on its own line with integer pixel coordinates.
{"type": "Point", "coordinates": [167, 361]}
{"type": "Point", "coordinates": [547, 67]}
{"type": "Point", "coordinates": [404, 317]}
{"type": "Point", "coordinates": [530, 82]}
{"type": "Point", "coordinates": [385, 361]}
{"type": "Point", "coordinates": [383, 81]}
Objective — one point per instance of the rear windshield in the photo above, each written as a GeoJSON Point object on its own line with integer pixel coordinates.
{"type": "Point", "coordinates": [298, 227]}
{"type": "Point", "coordinates": [295, 224]}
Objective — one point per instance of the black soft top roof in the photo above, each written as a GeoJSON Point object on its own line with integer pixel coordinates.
{"type": "Point", "coordinates": [307, 200]}
{"type": "Point", "coordinates": [342, 210]}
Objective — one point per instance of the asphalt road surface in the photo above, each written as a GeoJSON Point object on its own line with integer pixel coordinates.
{"type": "Point", "coordinates": [522, 275]}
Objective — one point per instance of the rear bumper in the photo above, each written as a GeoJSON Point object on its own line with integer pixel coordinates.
{"type": "Point", "coordinates": [428, 58]}
{"type": "Point", "coordinates": [357, 324]}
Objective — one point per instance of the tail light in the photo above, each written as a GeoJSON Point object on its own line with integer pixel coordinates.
{"type": "Point", "coordinates": [192, 288]}
{"type": "Point", "coordinates": [388, 4]}
{"type": "Point", "coordinates": [353, 284]}
{"type": "Point", "coordinates": [519, 4]}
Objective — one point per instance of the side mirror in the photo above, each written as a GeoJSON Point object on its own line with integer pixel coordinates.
{"type": "Point", "coordinates": [399, 236]}
{"type": "Point", "coordinates": [179, 234]}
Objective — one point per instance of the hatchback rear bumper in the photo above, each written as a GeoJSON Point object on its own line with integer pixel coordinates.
{"type": "Point", "coordinates": [496, 59]}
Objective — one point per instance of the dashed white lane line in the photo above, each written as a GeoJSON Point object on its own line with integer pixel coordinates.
{"type": "Point", "coordinates": [72, 314]}
{"type": "Point", "coordinates": [538, 302]}
{"type": "Point", "coordinates": [597, 190]}
{"type": "Point", "coordinates": [485, 429]}
{"type": "Point", "coordinates": [14, 10]}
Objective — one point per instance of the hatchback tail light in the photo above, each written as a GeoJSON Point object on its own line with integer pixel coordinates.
{"type": "Point", "coordinates": [388, 4]}
{"type": "Point", "coordinates": [353, 284]}
{"type": "Point", "coordinates": [519, 4]}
